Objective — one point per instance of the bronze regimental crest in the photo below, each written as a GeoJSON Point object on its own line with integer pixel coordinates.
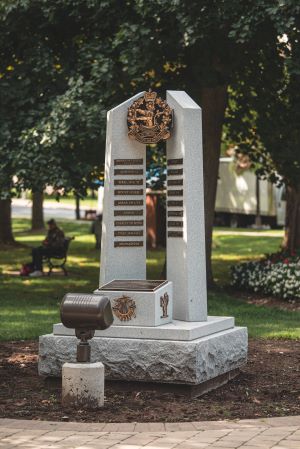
{"type": "Point", "coordinates": [164, 301]}
{"type": "Point", "coordinates": [124, 308]}
{"type": "Point", "coordinates": [149, 119]}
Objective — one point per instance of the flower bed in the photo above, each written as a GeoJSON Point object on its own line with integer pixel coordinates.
{"type": "Point", "coordinates": [277, 275]}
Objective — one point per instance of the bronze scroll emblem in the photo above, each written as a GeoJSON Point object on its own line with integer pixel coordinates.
{"type": "Point", "coordinates": [124, 308]}
{"type": "Point", "coordinates": [164, 301]}
{"type": "Point", "coordinates": [149, 119]}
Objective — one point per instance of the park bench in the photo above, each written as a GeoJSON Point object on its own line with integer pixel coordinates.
{"type": "Point", "coordinates": [59, 260]}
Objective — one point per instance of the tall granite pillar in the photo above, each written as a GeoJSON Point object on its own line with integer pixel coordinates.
{"type": "Point", "coordinates": [123, 248]}
{"type": "Point", "coordinates": [186, 265]}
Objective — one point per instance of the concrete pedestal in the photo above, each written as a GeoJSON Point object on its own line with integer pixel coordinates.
{"type": "Point", "coordinates": [83, 385]}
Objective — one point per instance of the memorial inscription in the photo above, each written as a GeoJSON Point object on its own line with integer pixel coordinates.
{"type": "Point", "coordinates": [129, 223]}
{"type": "Point", "coordinates": [175, 213]}
{"type": "Point", "coordinates": [128, 161]}
{"type": "Point", "coordinates": [171, 193]}
{"type": "Point", "coordinates": [128, 212]}
{"type": "Point", "coordinates": [175, 171]}
{"type": "Point", "coordinates": [175, 161]}
{"type": "Point", "coordinates": [128, 244]}
{"type": "Point", "coordinates": [175, 182]}
{"type": "Point", "coordinates": [128, 171]}
{"type": "Point", "coordinates": [175, 224]}
{"type": "Point", "coordinates": [128, 182]}
{"type": "Point", "coordinates": [129, 192]}
{"type": "Point", "coordinates": [128, 202]}
{"type": "Point", "coordinates": [175, 203]}
{"type": "Point", "coordinates": [175, 233]}
{"type": "Point", "coordinates": [175, 192]}
{"type": "Point", "coordinates": [128, 233]}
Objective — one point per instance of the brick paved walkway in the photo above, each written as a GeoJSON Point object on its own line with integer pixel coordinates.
{"type": "Point", "coordinates": [270, 433]}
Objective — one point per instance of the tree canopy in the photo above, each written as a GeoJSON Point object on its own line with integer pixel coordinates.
{"type": "Point", "coordinates": [64, 64]}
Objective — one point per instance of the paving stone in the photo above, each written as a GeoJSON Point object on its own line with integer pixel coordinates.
{"type": "Point", "coordinates": [224, 435]}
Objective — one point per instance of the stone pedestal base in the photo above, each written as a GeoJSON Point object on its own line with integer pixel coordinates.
{"type": "Point", "coordinates": [189, 362]}
{"type": "Point", "coordinates": [83, 385]}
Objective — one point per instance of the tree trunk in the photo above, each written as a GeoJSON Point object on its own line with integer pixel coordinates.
{"type": "Point", "coordinates": [292, 230]}
{"type": "Point", "coordinates": [213, 102]}
{"type": "Point", "coordinates": [37, 212]}
{"type": "Point", "coordinates": [77, 207]}
{"type": "Point", "coordinates": [6, 235]}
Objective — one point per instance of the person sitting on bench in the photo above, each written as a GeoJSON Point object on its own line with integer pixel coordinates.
{"type": "Point", "coordinates": [53, 245]}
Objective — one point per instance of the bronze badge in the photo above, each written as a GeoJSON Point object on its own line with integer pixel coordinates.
{"type": "Point", "coordinates": [149, 119]}
{"type": "Point", "coordinates": [164, 301]}
{"type": "Point", "coordinates": [124, 308]}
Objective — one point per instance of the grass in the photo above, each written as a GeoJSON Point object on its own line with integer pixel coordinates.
{"type": "Point", "coordinates": [29, 307]}
{"type": "Point", "coordinates": [88, 201]}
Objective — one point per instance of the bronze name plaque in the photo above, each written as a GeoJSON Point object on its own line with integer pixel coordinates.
{"type": "Point", "coordinates": [128, 233]}
{"type": "Point", "coordinates": [175, 213]}
{"type": "Point", "coordinates": [128, 202]}
{"type": "Point", "coordinates": [175, 224]}
{"type": "Point", "coordinates": [175, 182]}
{"type": "Point", "coordinates": [133, 286]}
{"type": "Point", "coordinates": [128, 161]}
{"type": "Point", "coordinates": [175, 161]}
{"type": "Point", "coordinates": [175, 234]}
{"type": "Point", "coordinates": [128, 212]}
{"type": "Point", "coordinates": [175, 203]}
{"type": "Point", "coordinates": [129, 223]}
{"type": "Point", "coordinates": [175, 171]}
{"type": "Point", "coordinates": [128, 244]}
{"type": "Point", "coordinates": [175, 192]}
{"type": "Point", "coordinates": [129, 192]}
{"type": "Point", "coordinates": [128, 171]}
{"type": "Point", "coordinates": [128, 182]}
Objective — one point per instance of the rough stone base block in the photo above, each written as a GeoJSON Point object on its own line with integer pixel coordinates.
{"type": "Point", "coordinates": [83, 385]}
{"type": "Point", "coordinates": [163, 361]}
{"type": "Point", "coordinates": [190, 391]}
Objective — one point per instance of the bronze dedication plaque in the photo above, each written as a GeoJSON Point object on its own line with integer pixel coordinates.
{"type": "Point", "coordinates": [129, 192]}
{"type": "Point", "coordinates": [175, 182]}
{"type": "Point", "coordinates": [128, 182]}
{"type": "Point", "coordinates": [128, 171]}
{"type": "Point", "coordinates": [175, 192]}
{"type": "Point", "coordinates": [128, 233]}
{"type": "Point", "coordinates": [128, 202]}
{"type": "Point", "coordinates": [175, 213]}
{"type": "Point", "coordinates": [133, 285]}
{"type": "Point", "coordinates": [175, 161]}
{"type": "Point", "coordinates": [175, 203]}
{"type": "Point", "coordinates": [175, 171]}
{"type": "Point", "coordinates": [128, 161]}
{"type": "Point", "coordinates": [175, 234]}
{"type": "Point", "coordinates": [129, 222]}
{"type": "Point", "coordinates": [175, 224]}
{"type": "Point", "coordinates": [128, 244]}
{"type": "Point", "coordinates": [128, 212]}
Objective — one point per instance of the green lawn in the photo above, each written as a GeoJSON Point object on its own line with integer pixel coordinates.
{"type": "Point", "coordinates": [89, 202]}
{"type": "Point", "coordinates": [29, 307]}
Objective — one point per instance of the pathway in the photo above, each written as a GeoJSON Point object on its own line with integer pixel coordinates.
{"type": "Point", "coordinates": [268, 433]}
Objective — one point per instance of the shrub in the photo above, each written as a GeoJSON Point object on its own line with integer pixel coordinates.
{"type": "Point", "coordinates": [277, 275]}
